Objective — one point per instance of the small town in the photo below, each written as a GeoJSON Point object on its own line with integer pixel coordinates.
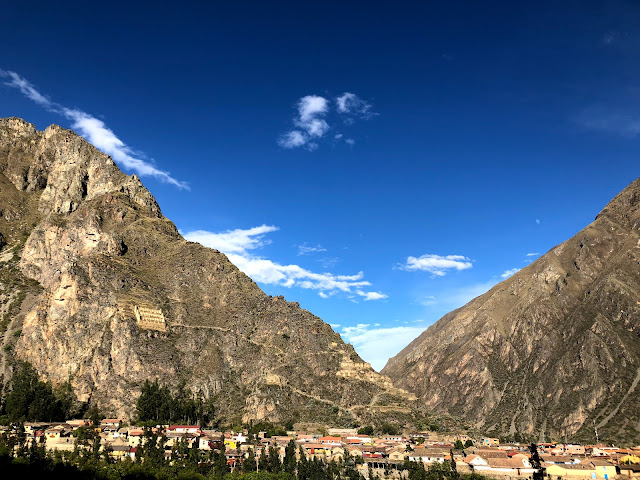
{"type": "Point", "coordinates": [373, 456]}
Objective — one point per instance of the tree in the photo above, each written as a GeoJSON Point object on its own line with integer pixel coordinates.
{"type": "Point", "coordinates": [94, 415]}
{"type": "Point", "coordinates": [454, 468]}
{"type": "Point", "coordinates": [536, 462]}
{"type": "Point", "coordinates": [416, 470]}
{"type": "Point", "coordinates": [31, 399]}
{"type": "Point", "coordinates": [273, 462]}
{"type": "Point", "coordinates": [152, 449]}
{"type": "Point", "coordinates": [458, 445]}
{"type": "Point", "coordinates": [290, 462]}
{"type": "Point", "coordinates": [263, 464]}
{"type": "Point", "coordinates": [249, 464]}
{"type": "Point", "coordinates": [220, 467]}
{"type": "Point", "coordinates": [156, 403]}
{"type": "Point", "coordinates": [468, 443]}
{"type": "Point", "coordinates": [389, 429]}
{"type": "Point", "coordinates": [368, 430]}
{"type": "Point", "coordinates": [37, 451]}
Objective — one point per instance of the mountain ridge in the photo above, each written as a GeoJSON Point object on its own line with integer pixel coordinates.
{"type": "Point", "coordinates": [85, 249]}
{"type": "Point", "coordinates": [549, 350]}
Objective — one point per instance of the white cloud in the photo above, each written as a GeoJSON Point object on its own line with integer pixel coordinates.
{"type": "Point", "coordinates": [94, 130]}
{"type": "Point", "coordinates": [27, 89]}
{"type": "Point", "coordinates": [508, 273]}
{"type": "Point", "coordinates": [233, 241]}
{"type": "Point", "coordinates": [311, 106]}
{"type": "Point", "coordinates": [428, 300]}
{"type": "Point", "coordinates": [309, 122]}
{"type": "Point", "coordinates": [350, 104]}
{"type": "Point", "coordinates": [305, 249]}
{"type": "Point", "coordinates": [317, 127]}
{"type": "Point", "coordinates": [292, 139]}
{"type": "Point", "coordinates": [236, 244]}
{"type": "Point", "coordinates": [532, 254]}
{"type": "Point", "coordinates": [377, 345]}
{"type": "Point", "coordinates": [437, 264]}
{"type": "Point", "coordinates": [344, 101]}
{"type": "Point", "coordinates": [372, 295]}
{"type": "Point", "coordinates": [538, 221]}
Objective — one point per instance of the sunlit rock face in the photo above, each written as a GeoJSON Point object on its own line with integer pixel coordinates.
{"type": "Point", "coordinates": [553, 350]}
{"type": "Point", "coordinates": [99, 288]}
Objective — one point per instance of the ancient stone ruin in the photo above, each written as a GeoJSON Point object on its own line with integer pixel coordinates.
{"type": "Point", "coordinates": [149, 318]}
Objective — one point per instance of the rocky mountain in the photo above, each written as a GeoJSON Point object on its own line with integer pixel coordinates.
{"type": "Point", "coordinates": [552, 351]}
{"type": "Point", "coordinates": [99, 288]}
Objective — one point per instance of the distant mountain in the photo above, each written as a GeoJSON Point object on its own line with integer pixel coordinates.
{"type": "Point", "coordinates": [98, 287]}
{"type": "Point", "coordinates": [553, 351]}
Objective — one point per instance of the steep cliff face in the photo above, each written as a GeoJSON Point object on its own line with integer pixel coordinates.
{"type": "Point", "coordinates": [554, 349]}
{"type": "Point", "coordinates": [89, 263]}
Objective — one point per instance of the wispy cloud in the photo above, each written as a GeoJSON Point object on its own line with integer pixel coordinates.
{"type": "Point", "coordinates": [533, 254]}
{"type": "Point", "coordinates": [352, 105]}
{"type": "Point", "coordinates": [436, 264]}
{"type": "Point", "coordinates": [428, 300]}
{"type": "Point", "coordinates": [233, 241]}
{"type": "Point", "coordinates": [615, 119]}
{"type": "Point", "coordinates": [94, 130]}
{"type": "Point", "coordinates": [238, 244]}
{"type": "Point", "coordinates": [463, 295]}
{"type": "Point", "coordinates": [508, 273]}
{"type": "Point", "coordinates": [305, 249]}
{"type": "Point", "coordinates": [537, 221]}
{"type": "Point", "coordinates": [310, 124]}
{"type": "Point", "coordinates": [452, 298]}
{"type": "Point", "coordinates": [377, 344]}
{"type": "Point", "coordinates": [371, 295]}
{"type": "Point", "coordinates": [615, 37]}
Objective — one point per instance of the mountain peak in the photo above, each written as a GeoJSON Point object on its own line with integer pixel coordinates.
{"type": "Point", "coordinates": [100, 289]}
{"type": "Point", "coordinates": [550, 350]}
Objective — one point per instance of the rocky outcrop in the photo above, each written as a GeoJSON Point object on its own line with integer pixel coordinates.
{"type": "Point", "coordinates": [87, 247]}
{"type": "Point", "coordinates": [552, 351]}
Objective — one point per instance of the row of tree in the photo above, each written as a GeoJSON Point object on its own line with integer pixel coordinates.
{"type": "Point", "coordinates": [159, 404]}
{"type": "Point", "coordinates": [31, 399]}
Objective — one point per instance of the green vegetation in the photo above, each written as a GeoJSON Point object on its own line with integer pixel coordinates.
{"type": "Point", "coordinates": [32, 399]}
{"type": "Point", "coordinates": [270, 429]}
{"type": "Point", "coordinates": [389, 429]}
{"type": "Point", "coordinates": [158, 404]}
{"type": "Point", "coordinates": [536, 462]}
{"type": "Point", "coordinates": [90, 461]}
{"type": "Point", "coordinates": [437, 471]}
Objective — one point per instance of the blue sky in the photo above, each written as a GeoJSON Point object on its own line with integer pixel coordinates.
{"type": "Point", "coordinates": [380, 163]}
